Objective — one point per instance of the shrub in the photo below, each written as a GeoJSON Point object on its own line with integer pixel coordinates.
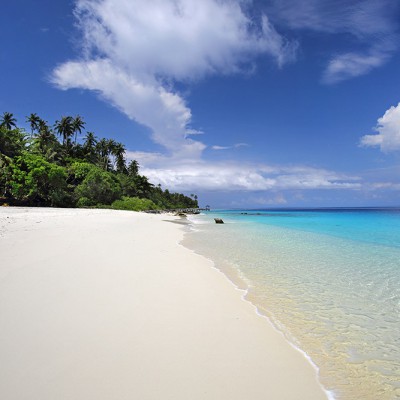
{"type": "Point", "coordinates": [134, 204]}
{"type": "Point", "coordinates": [99, 187]}
{"type": "Point", "coordinates": [84, 202]}
{"type": "Point", "coordinates": [38, 181]}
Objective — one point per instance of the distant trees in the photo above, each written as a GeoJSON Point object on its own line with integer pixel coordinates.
{"type": "Point", "coordinates": [39, 169]}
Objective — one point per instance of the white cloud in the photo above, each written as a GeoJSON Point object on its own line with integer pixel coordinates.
{"type": "Point", "coordinates": [351, 65]}
{"type": "Point", "coordinates": [372, 23]}
{"type": "Point", "coordinates": [176, 39]}
{"type": "Point", "coordinates": [385, 185]}
{"type": "Point", "coordinates": [221, 147]}
{"type": "Point", "coordinates": [360, 18]}
{"type": "Point", "coordinates": [197, 175]}
{"type": "Point", "coordinates": [162, 111]}
{"type": "Point", "coordinates": [388, 128]}
{"type": "Point", "coordinates": [235, 146]}
{"type": "Point", "coordinates": [134, 51]}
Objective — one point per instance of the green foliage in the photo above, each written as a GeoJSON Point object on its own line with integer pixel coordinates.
{"type": "Point", "coordinates": [12, 141]}
{"type": "Point", "coordinates": [133, 204]}
{"type": "Point", "coordinates": [128, 185]}
{"type": "Point", "coordinates": [79, 170]}
{"type": "Point", "coordinates": [6, 172]}
{"type": "Point", "coordinates": [101, 187]}
{"type": "Point", "coordinates": [37, 180]}
{"type": "Point", "coordinates": [44, 170]}
{"type": "Point", "coordinates": [84, 202]}
{"type": "Point", "coordinates": [167, 200]}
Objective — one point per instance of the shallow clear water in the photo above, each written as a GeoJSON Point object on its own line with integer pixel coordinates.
{"type": "Point", "coordinates": [329, 279]}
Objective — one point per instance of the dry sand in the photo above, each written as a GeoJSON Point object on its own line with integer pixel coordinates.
{"type": "Point", "coordinates": [100, 304]}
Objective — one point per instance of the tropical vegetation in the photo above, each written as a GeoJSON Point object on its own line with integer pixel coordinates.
{"type": "Point", "coordinates": [53, 166]}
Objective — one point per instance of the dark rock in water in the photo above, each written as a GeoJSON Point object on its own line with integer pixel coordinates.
{"type": "Point", "coordinates": [218, 221]}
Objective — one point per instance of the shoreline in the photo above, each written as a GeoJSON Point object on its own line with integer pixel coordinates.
{"type": "Point", "coordinates": [114, 303]}
{"type": "Point", "coordinates": [294, 278]}
{"type": "Point", "coordinates": [239, 283]}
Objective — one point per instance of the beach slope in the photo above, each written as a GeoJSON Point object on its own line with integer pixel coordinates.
{"type": "Point", "coordinates": [101, 304]}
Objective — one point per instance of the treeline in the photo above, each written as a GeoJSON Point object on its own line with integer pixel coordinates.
{"type": "Point", "coordinates": [48, 166]}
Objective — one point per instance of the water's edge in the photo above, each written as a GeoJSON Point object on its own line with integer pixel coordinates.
{"type": "Point", "coordinates": [329, 296]}
{"type": "Point", "coordinates": [238, 281]}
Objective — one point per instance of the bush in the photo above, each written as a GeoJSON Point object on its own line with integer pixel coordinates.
{"type": "Point", "coordinates": [84, 202]}
{"type": "Point", "coordinates": [38, 181]}
{"type": "Point", "coordinates": [80, 170]}
{"type": "Point", "coordinates": [134, 204]}
{"type": "Point", "coordinates": [99, 187]}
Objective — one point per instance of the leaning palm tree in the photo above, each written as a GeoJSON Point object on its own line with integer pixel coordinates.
{"type": "Point", "coordinates": [8, 121]}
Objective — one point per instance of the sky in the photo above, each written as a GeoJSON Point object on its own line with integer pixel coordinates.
{"type": "Point", "coordinates": [246, 103]}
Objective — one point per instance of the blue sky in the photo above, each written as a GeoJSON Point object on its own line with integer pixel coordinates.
{"type": "Point", "coordinates": [264, 103]}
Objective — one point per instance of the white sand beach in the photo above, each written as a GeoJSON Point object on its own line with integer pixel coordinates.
{"type": "Point", "coordinates": [101, 304]}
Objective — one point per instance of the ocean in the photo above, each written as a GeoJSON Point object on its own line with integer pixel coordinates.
{"type": "Point", "coordinates": [329, 279]}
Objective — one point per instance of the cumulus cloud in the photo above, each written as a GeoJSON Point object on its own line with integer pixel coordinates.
{"type": "Point", "coordinates": [372, 23]}
{"type": "Point", "coordinates": [164, 112]}
{"type": "Point", "coordinates": [388, 128]}
{"type": "Point", "coordinates": [133, 52]}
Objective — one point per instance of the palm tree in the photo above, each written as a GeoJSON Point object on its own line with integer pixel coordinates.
{"type": "Point", "coordinates": [65, 129]}
{"type": "Point", "coordinates": [45, 139]}
{"type": "Point", "coordinates": [143, 186]}
{"type": "Point", "coordinates": [118, 152]}
{"type": "Point", "coordinates": [133, 168]}
{"type": "Point", "coordinates": [77, 125]}
{"type": "Point", "coordinates": [103, 153]}
{"type": "Point", "coordinates": [42, 125]}
{"type": "Point", "coordinates": [34, 121]}
{"type": "Point", "coordinates": [89, 147]}
{"type": "Point", "coordinates": [90, 141]}
{"type": "Point", "coordinates": [111, 146]}
{"type": "Point", "coordinates": [8, 121]}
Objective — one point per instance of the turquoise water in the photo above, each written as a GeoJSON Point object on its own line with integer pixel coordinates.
{"type": "Point", "coordinates": [329, 279]}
